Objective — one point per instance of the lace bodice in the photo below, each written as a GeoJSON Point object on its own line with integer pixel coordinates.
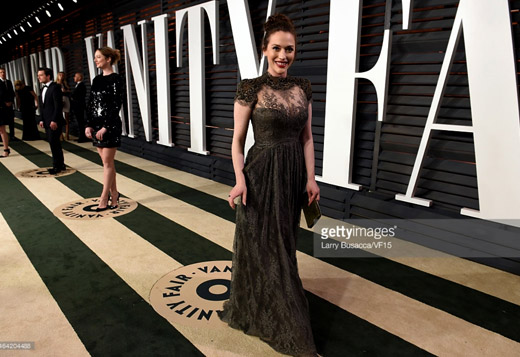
{"type": "Point", "coordinates": [279, 106]}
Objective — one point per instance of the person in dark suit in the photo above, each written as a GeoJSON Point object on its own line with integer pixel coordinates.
{"type": "Point", "coordinates": [51, 111]}
{"type": "Point", "coordinates": [27, 103]}
{"type": "Point", "coordinates": [6, 110]}
{"type": "Point", "coordinates": [79, 93]}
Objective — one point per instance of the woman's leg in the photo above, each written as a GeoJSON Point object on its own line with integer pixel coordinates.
{"type": "Point", "coordinates": [109, 173]}
{"type": "Point", "coordinates": [113, 189]}
{"type": "Point", "coordinates": [5, 140]}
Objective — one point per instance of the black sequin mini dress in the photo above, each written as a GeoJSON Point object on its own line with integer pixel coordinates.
{"type": "Point", "coordinates": [106, 98]}
{"type": "Point", "coordinates": [267, 298]}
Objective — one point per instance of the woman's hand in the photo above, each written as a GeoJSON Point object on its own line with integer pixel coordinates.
{"type": "Point", "coordinates": [238, 190]}
{"type": "Point", "coordinates": [313, 191]}
{"type": "Point", "coordinates": [100, 133]}
{"type": "Point", "coordinates": [88, 132]}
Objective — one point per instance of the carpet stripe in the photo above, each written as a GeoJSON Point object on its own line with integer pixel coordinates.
{"type": "Point", "coordinates": [439, 321]}
{"type": "Point", "coordinates": [476, 276]}
{"type": "Point", "coordinates": [116, 246]}
{"type": "Point", "coordinates": [474, 306]}
{"type": "Point", "coordinates": [143, 175]}
{"type": "Point", "coordinates": [28, 311]}
{"type": "Point", "coordinates": [107, 315]}
{"type": "Point", "coordinates": [335, 339]}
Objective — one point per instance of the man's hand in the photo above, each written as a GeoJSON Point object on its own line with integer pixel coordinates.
{"type": "Point", "coordinates": [53, 125]}
{"type": "Point", "coordinates": [41, 124]}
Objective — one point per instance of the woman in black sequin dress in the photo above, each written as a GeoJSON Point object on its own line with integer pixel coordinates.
{"type": "Point", "coordinates": [267, 297]}
{"type": "Point", "coordinates": [103, 121]}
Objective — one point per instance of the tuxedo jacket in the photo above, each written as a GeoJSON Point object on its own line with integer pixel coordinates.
{"type": "Point", "coordinates": [52, 108]}
{"type": "Point", "coordinates": [78, 96]}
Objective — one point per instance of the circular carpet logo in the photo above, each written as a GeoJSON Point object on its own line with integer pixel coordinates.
{"type": "Point", "coordinates": [86, 209]}
{"type": "Point", "coordinates": [192, 295]}
{"type": "Point", "coordinates": [43, 172]}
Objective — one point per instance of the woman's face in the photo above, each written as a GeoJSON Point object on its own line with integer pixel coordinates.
{"type": "Point", "coordinates": [280, 53]}
{"type": "Point", "coordinates": [101, 61]}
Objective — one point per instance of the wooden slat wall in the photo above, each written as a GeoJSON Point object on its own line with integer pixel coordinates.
{"type": "Point", "coordinates": [384, 152]}
{"type": "Point", "coordinates": [449, 176]}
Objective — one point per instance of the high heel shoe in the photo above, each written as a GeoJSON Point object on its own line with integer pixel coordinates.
{"type": "Point", "coordinates": [99, 209]}
{"type": "Point", "coordinates": [117, 202]}
{"type": "Point", "coordinates": [8, 151]}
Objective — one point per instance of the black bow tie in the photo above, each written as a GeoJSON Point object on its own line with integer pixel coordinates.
{"type": "Point", "coordinates": [45, 86]}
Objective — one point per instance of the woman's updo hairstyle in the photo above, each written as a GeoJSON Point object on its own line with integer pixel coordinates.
{"type": "Point", "coordinates": [111, 53]}
{"type": "Point", "coordinates": [275, 23]}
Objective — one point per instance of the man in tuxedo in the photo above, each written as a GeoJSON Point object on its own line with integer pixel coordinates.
{"type": "Point", "coordinates": [51, 112]}
{"type": "Point", "coordinates": [78, 105]}
{"type": "Point", "coordinates": [7, 100]}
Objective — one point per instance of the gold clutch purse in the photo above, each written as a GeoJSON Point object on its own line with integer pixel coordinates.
{"type": "Point", "coordinates": [311, 212]}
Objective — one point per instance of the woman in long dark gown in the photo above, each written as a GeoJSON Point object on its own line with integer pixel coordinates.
{"type": "Point", "coordinates": [267, 297]}
{"type": "Point", "coordinates": [27, 104]}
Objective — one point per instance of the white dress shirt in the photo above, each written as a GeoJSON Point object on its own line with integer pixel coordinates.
{"type": "Point", "coordinates": [44, 91]}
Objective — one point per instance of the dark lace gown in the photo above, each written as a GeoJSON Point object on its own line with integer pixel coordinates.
{"type": "Point", "coordinates": [267, 297]}
{"type": "Point", "coordinates": [106, 98]}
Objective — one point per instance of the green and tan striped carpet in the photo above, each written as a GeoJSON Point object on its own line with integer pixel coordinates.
{"type": "Point", "coordinates": [79, 288]}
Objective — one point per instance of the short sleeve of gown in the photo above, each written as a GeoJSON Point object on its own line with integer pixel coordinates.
{"type": "Point", "coordinates": [307, 88]}
{"type": "Point", "coordinates": [246, 93]}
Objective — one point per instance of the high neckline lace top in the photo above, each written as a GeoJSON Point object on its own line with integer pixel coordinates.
{"type": "Point", "coordinates": [279, 106]}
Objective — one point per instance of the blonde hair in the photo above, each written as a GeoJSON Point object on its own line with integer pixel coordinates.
{"type": "Point", "coordinates": [109, 52]}
{"type": "Point", "coordinates": [18, 84]}
{"type": "Point", "coordinates": [61, 78]}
